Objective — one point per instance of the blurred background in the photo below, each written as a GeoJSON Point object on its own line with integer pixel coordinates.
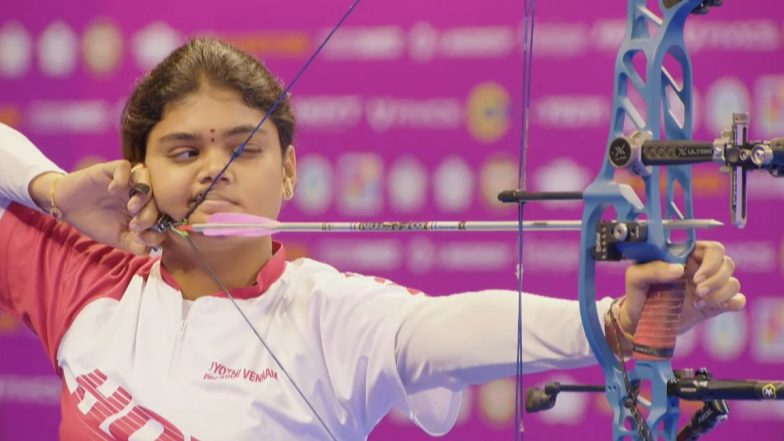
{"type": "Point", "coordinates": [412, 113]}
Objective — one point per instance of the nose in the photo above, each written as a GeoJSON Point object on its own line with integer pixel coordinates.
{"type": "Point", "coordinates": [213, 163]}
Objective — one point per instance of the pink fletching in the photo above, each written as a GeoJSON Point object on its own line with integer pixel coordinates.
{"type": "Point", "coordinates": [239, 218]}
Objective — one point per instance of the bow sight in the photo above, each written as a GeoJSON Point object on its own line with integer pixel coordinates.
{"type": "Point", "coordinates": [638, 152]}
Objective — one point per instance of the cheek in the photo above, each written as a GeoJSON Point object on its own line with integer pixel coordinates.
{"type": "Point", "coordinates": [169, 187]}
{"type": "Point", "coordinates": [264, 188]}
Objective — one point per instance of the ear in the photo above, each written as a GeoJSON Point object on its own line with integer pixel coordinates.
{"type": "Point", "coordinates": [289, 161]}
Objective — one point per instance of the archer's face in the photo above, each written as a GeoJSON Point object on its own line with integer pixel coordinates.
{"type": "Point", "coordinates": [194, 140]}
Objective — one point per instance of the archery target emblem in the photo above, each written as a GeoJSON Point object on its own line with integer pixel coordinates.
{"type": "Point", "coordinates": [487, 112]}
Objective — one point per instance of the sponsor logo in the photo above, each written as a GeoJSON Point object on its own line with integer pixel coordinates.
{"type": "Point", "coordinates": [102, 46]}
{"type": "Point", "coordinates": [768, 342]}
{"type": "Point", "coordinates": [87, 116]}
{"type": "Point", "coordinates": [286, 44]}
{"type": "Point", "coordinates": [737, 35]}
{"type": "Point", "coordinates": [569, 408]}
{"type": "Point", "coordinates": [41, 390]}
{"type": "Point", "coordinates": [9, 114]}
{"type": "Point", "coordinates": [498, 173]}
{"type": "Point", "coordinates": [420, 255]}
{"type": "Point", "coordinates": [769, 94]}
{"type": "Point", "coordinates": [474, 256]}
{"type": "Point", "coordinates": [606, 34]}
{"type": "Point", "coordinates": [16, 50]}
{"type": "Point", "coordinates": [426, 42]}
{"type": "Point", "coordinates": [386, 113]}
{"type": "Point", "coordinates": [362, 255]}
{"type": "Point", "coordinates": [724, 97]}
{"type": "Point", "coordinates": [422, 41]}
{"type": "Point", "coordinates": [707, 35]}
{"type": "Point", "coordinates": [407, 185]}
{"type": "Point", "coordinates": [478, 42]}
{"type": "Point", "coordinates": [332, 113]}
{"type": "Point", "coordinates": [453, 185]}
{"type": "Point", "coordinates": [560, 39]}
{"type": "Point", "coordinates": [496, 402]}
{"type": "Point", "coordinates": [58, 50]}
{"type": "Point", "coordinates": [572, 111]}
{"type": "Point", "coordinates": [725, 335]}
{"type": "Point", "coordinates": [764, 187]}
{"type": "Point", "coordinates": [153, 43]}
{"type": "Point", "coordinates": [314, 184]}
{"type": "Point", "coordinates": [360, 183]}
{"type": "Point", "coordinates": [366, 43]}
{"type": "Point", "coordinates": [561, 174]}
{"type": "Point", "coordinates": [551, 255]}
{"type": "Point", "coordinates": [686, 343]}
{"type": "Point", "coordinates": [753, 257]}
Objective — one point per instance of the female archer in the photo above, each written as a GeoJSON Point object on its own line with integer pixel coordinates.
{"type": "Point", "coordinates": [155, 347]}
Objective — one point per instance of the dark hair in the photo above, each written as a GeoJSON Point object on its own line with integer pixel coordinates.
{"type": "Point", "coordinates": [200, 62]}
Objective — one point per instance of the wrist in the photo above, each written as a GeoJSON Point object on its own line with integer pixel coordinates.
{"type": "Point", "coordinates": [617, 328]}
{"type": "Point", "coordinates": [43, 189]}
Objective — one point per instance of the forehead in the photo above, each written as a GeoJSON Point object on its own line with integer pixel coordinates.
{"type": "Point", "coordinates": [210, 110]}
{"type": "Point", "coordinates": [210, 104]}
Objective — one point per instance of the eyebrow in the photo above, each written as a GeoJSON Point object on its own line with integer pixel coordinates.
{"type": "Point", "coordinates": [244, 130]}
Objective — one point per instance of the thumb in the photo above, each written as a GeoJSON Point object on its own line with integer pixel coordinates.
{"type": "Point", "coordinates": [640, 277]}
{"type": "Point", "coordinates": [133, 243]}
{"type": "Point", "coordinates": [120, 174]}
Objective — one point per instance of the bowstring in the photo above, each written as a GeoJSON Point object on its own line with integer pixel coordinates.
{"type": "Point", "coordinates": [202, 197]}
{"type": "Point", "coordinates": [527, 62]}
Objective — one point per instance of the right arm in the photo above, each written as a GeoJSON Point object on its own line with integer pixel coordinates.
{"type": "Point", "coordinates": [21, 164]}
{"type": "Point", "coordinates": [48, 269]}
{"type": "Point", "coordinates": [95, 200]}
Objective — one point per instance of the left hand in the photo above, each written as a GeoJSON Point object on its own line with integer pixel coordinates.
{"type": "Point", "coordinates": [710, 287]}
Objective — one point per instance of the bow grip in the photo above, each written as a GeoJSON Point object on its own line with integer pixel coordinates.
{"type": "Point", "coordinates": [657, 328]}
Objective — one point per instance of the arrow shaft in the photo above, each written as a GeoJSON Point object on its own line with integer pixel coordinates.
{"type": "Point", "coordinates": [479, 226]}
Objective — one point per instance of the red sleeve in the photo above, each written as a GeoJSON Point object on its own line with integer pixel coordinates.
{"type": "Point", "coordinates": [49, 272]}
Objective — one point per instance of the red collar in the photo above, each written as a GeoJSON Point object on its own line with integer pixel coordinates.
{"type": "Point", "coordinates": [269, 274]}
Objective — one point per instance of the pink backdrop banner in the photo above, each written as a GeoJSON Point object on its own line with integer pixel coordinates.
{"type": "Point", "coordinates": [412, 112]}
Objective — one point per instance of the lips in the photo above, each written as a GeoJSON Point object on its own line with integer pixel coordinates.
{"type": "Point", "coordinates": [213, 198]}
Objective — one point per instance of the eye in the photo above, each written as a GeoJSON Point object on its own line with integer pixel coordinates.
{"type": "Point", "coordinates": [184, 155]}
{"type": "Point", "coordinates": [250, 149]}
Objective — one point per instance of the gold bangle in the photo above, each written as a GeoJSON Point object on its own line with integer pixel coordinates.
{"type": "Point", "coordinates": [54, 211]}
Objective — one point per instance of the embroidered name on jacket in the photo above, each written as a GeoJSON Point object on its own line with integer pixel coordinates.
{"type": "Point", "coordinates": [219, 371]}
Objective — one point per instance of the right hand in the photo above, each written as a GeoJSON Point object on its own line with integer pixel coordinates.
{"type": "Point", "coordinates": [96, 201]}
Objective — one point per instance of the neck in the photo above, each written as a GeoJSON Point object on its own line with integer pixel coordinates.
{"type": "Point", "coordinates": [235, 261]}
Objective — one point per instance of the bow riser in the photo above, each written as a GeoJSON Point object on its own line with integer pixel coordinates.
{"type": "Point", "coordinates": [659, 91]}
